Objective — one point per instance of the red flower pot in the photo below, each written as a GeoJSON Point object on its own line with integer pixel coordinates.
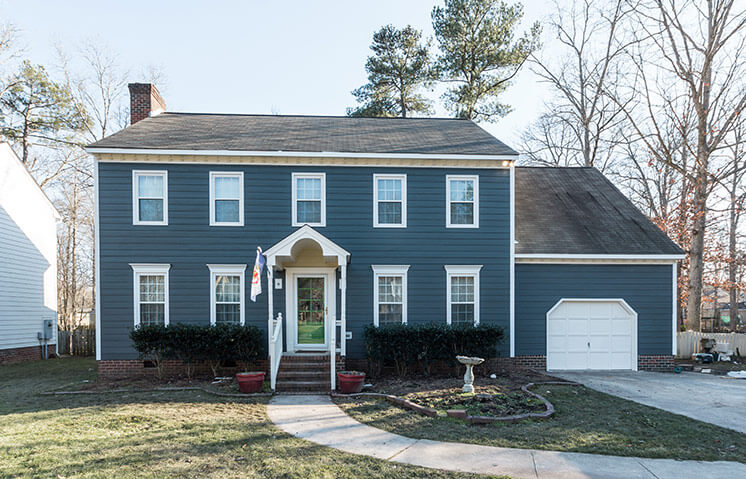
{"type": "Point", "coordinates": [350, 382]}
{"type": "Point", "coordinates": [250, 382]}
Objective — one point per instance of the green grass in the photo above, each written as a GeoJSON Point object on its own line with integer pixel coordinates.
{"type": "Point", "coordinates": [311, 332]}
{"type": "Point", "coordinates": [155, 434]}
{"type": "Point", "coordinates": [585, 421]}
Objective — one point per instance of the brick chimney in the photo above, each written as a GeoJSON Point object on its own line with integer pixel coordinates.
{"type": "Point", "coordinates": [145, 101]}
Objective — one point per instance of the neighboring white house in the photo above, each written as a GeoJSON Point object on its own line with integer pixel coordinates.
{"type": "Point", "coordinates": [28, 263]}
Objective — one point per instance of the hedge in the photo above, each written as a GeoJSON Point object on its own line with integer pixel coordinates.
{"type": "Point", "coordinates": [194, 343]}
{"type": "Point", "coordinates": [404, 346]}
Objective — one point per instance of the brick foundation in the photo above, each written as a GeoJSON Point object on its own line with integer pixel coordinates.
{"type": "Point", "coordinates": [122, 368]}
{"type": "Point", "coordinates": [662, 363]}
{"type": "Point", "coordinates": [19, 355]}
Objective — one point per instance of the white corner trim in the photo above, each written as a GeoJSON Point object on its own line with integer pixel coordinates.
{"type": "Point", "coordinates": [299, 154]}
{"type": "Point", "coordinates": [136, 197]}
{"type": "Point", "coordinates": [140, 269]}
{"type": "Point", "coordinates": [512, 264]}
{"type": "Point", "coordinates": [620, 301]}
{"type": "Point", "coordinates": [228, 270]}
{"type": "Point", "coordinates": [314, 175]}
{"type": "Point", "coordinates": [241, 213]}
{"type": "Point", "coordinates": [675, 310]}
{"type": "Point", "coordinates": [97, 258]}
{"type": "Point", "coordinates": [463, 270]}
{"type": "Point", "coordinates": [475, 201]}
{"type": "Point", "coordinates": [403, 200]}
{"type": "Point", "coordinates": [390, 270]}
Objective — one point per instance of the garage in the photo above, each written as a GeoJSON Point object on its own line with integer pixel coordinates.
{"type": "Point", "coordinates": [591, 334]}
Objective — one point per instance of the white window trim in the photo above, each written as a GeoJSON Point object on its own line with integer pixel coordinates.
{"type": "Point", "coordinates": [322, 177]}
{"type": "Point", "coordinates": [462, 270]}
{"type": "Point", "coordinates": [232, 270]}
{"type": "Point", "coordinates": [475, 179]}
{"type": "Point", "coordinates": [403, 201]}
{"type": "Point", "coordinates": [144, 269]}
{"type": "Point", "coordinates": [226, 174]}
{"type": "Point", "coordinates": [136, 196]}
{"type": "Point", "coordinates": [390, 270]}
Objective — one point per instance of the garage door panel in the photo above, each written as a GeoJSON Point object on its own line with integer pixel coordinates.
{"type": "Point", "coordinates": [590, 335]}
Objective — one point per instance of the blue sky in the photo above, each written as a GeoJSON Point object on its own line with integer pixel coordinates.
{"type": "Point", "coordinates": [294, 57]}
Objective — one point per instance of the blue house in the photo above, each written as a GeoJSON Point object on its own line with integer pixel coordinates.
{"type": "Point", "coordinates": [369, 221]}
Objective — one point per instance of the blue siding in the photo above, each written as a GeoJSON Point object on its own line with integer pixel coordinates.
{"type": "Point", "coordinates": [188, 243]}
{"type": "Point", "coordinates": [646, 288]}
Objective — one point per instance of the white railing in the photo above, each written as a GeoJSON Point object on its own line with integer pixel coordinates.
{"type": "Point", "coordinates": [333, 354]}
{"type": "Point", "coordinates": [687, 342]}
{"type": "Point", "coordinates": [275, 352]}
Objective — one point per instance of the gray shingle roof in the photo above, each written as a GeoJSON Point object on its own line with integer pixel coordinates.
{"type": "Point", "coordinates": [197, 131]}
{"type": "Point", "coordinates": [579, 211]}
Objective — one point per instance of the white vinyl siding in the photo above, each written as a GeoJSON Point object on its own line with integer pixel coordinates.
{"type": "Point", "coordinates": [462, 292]}
{"type": "Point", "coordinates": [227, 305]}
{"type": "Point", "coordinates": [150, 289]}
{"type": "Point", "coordinates": [309, 199]}
{"type": "Point", "coordinates": [389, 294]}
{"type": "Point", "coordinates": [390, 201]}
{"type": "Point", "coordinates": [462, 201]}
{"type": "Point", "coordinates": [226, 198]}
{"type": "Point", "coordinates": [149, 197]}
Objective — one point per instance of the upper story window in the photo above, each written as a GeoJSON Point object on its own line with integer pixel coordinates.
{"type": "Point", "coordinates": [463, 294]}
{"type": "Point", "coordinates": [150, 294]}
{"type": "Point", "coordinates": [226, 199]}
{"type": "Point", "coordinates": [462, 198]}
{"type": "Point", "coordinates": [389, 201]}
{"type": "Point", "coordinates": [389, 294]}
{"type": "Point", "coordinates": [309, 199]}
{"type": "Point", "coordinates": [227, 293]}
{"type": "Point", "coordinates": [150, 197]}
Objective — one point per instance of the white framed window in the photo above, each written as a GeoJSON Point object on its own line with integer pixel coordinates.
{"type": "Point", "coordinates": [462, 201]}
{"type": "Point", "coordinates": [150, 288]}
{"type": "Point", "coordinates": [149, 197]}
{"type": "Point", "coordinates": [226, 198]}
{"type": "Point", "coordinates": [390, 201]}
{"type": "Point", "coordinates": [389, 294]}
{"type": "Point", "coordinates": [227, 293]}
{"type": "Point", "coordinates": [462, 292]}
{"type": "Point", "coordinates": [309, 199]}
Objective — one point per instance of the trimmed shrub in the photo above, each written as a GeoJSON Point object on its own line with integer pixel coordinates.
{"type": "Point", "coordinates": [195, 343]}
{"type": "Point", "coordinates": [403, 346]}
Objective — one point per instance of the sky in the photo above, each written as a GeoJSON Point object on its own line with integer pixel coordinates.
{"type": "Point", "coordinates": [282, 57]}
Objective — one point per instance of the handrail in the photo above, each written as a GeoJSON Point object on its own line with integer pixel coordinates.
{"type": "Point", "coordinates": [275, 354]}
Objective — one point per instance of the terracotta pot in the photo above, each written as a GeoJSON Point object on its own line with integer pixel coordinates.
{"type": "Point", "coordinates": [250, 382]}
{"type": "Point", "coordinates": [350, 383]}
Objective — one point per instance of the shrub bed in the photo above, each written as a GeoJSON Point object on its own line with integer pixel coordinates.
{"type": "Point", "coordinates": [406, 347]}
{"type": "Point", "coordinates": [194, 343]}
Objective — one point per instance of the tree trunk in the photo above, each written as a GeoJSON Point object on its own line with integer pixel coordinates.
{"type": "Point", "coordinates": [696, 250]}
{"type": "Point", "coordinates": [732, 255]}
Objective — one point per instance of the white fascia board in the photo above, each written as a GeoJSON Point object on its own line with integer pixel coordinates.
{"type": "Point", "coordinates": [625, 257]}
{"type": "Point", "coordinates": [300, 154]}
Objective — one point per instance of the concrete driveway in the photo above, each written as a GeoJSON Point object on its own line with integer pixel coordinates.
{"type": "Point", "coordinates": [714, 399]}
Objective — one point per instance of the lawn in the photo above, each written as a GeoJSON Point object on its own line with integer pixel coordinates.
{"type": "Point", "coordinates": [585, 421]}
{"type": "Point", "coordinates": [155, 434]}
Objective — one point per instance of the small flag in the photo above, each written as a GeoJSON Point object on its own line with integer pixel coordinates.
{"type": "Point", "coordinates": [256, 277]}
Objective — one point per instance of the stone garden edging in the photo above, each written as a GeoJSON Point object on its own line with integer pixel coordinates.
{"type": "Point", "coordinates": [461, 413]}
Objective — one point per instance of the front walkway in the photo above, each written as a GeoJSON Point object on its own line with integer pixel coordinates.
{"type": "Point", "coordinates": [714, 399]}
{"type": "Point", "coordinates": [319, 420]}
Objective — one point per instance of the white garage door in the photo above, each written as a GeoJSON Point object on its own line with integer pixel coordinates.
{"type": "Point", "coordinates": [591, 334]}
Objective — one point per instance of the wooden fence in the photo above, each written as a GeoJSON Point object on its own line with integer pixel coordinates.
{"type": "Point", "coordinates": [83, 344]}
{"type": "Point", "coordinates": [688, 342]}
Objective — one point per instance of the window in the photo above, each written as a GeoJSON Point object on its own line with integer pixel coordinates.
{"type": "Point", "coordinates": [226, 199]}
{"type": "Point", "coordinates": [150, 197]}
{"type": "Point", "coordinates": [150, 288]}
{"type": "Point", "coordinates": [227, 293]}
{"type": "Point", "coordinates": [463, 294]}
{"type": "Point", "coordinates": [309, 199]}
{"type": "Point", "coordinates": [389, 201]}
{"type": "Point", "coordinates": [462, 198]}
{"type": "Point", "coordinates": [389, 294]}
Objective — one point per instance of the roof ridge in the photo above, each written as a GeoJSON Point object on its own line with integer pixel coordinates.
{"type": "Point", "coordinates": [197, 113]}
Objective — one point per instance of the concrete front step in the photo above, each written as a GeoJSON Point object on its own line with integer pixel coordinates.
{"type": "Point", "coordinates": [309, 386]}
{"type": "Point", "coordinates": [302, 374]}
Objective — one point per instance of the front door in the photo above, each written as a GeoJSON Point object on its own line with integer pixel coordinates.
{"type": "Point", "coordinates": [311, 311]}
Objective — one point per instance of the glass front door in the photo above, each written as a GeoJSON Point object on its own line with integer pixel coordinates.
{"type": "Point", "coordinates": [311, 307]}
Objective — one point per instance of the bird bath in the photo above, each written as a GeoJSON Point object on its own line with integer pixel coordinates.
{"type": "Point", "coordinates": [469, 362]}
